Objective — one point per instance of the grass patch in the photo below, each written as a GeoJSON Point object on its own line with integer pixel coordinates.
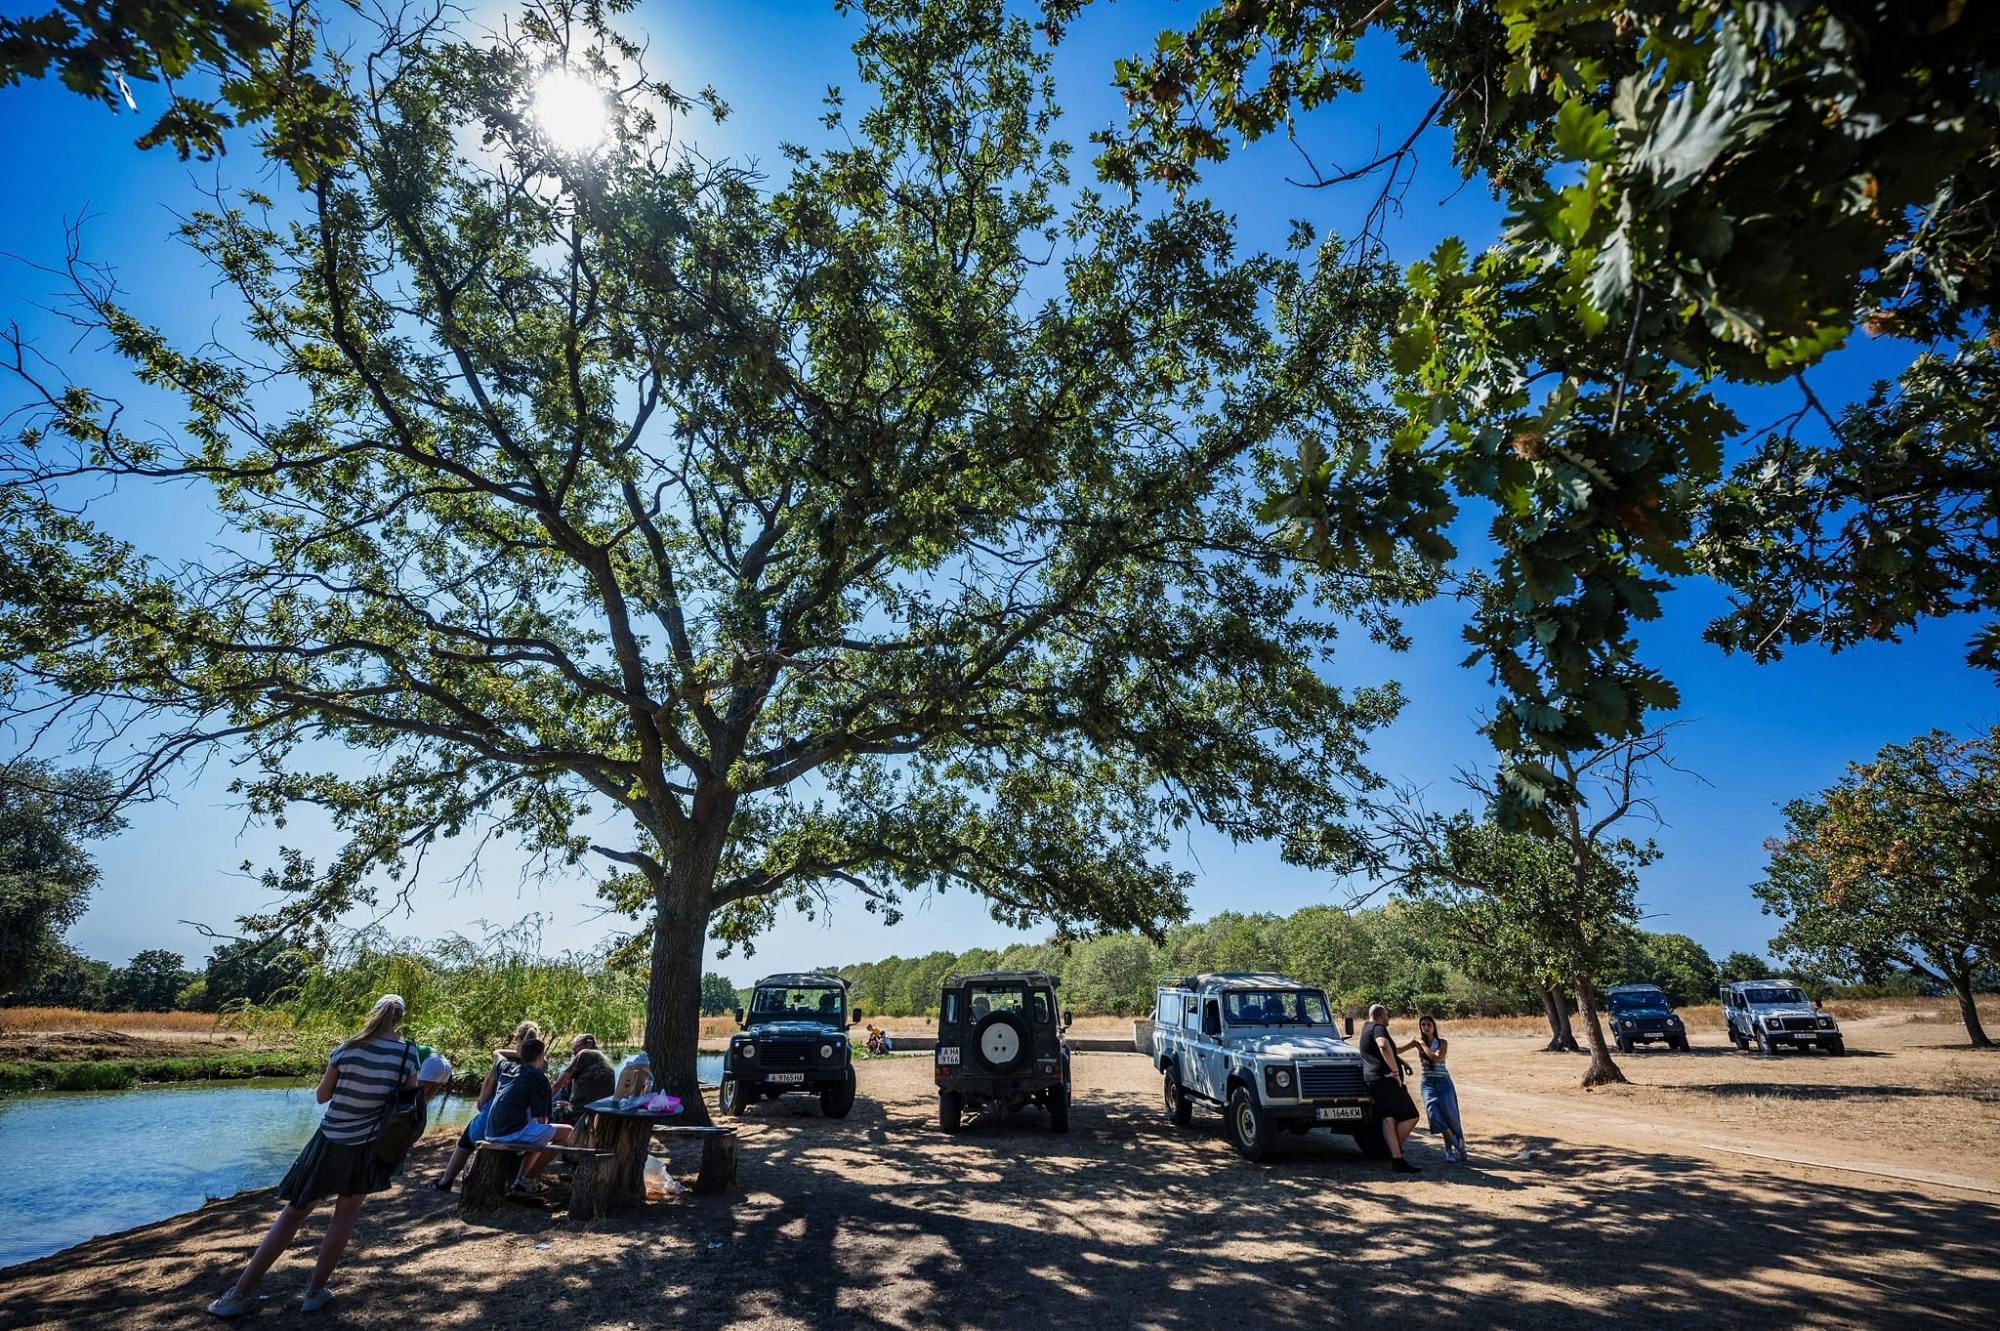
{"type": "Point", "coordinates": [41, 1019]}
{"type": "Point", "coordinates": [119, 1074]}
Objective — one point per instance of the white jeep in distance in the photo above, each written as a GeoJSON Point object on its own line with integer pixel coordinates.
{"type": "Point", "coordinates": [1774, 1015]}
{"type": "Point", "coordinates": [1263, 1049]}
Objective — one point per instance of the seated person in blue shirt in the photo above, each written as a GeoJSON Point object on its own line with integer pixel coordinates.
{"type": "Point", "coordinates": [519, 1114]}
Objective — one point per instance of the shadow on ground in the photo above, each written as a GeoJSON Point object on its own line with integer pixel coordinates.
{"type": "Point", "coordinates": [881, 1222]}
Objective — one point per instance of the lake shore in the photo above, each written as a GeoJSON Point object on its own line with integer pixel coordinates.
{"type": "Point", "coordinates": [1720, 1189]}
{"type": "Point", "coordinates": [108, 1060]}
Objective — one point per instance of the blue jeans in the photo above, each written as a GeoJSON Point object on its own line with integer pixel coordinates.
{"type": "Point", "coordinates": [1441, 1112]}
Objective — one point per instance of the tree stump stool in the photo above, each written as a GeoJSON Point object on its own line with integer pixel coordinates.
{"type": "Point", "coordinates": [718, 1154]}
{"type": "Point", "coordinates": [494, 1168]}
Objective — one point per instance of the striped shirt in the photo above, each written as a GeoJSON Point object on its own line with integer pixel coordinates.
{"type": "Point", "coordinates": [370, 1075]}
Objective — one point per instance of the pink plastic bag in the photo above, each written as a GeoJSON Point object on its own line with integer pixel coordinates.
{"type": "Point", "coordinates": [659, 1102]}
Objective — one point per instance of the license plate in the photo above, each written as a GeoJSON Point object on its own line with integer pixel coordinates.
{"type": "Point", "coordinates": [786, 1078]}
{"type": "Point", "coordinates": [948, 1056]}
{"type": "Point", "coordinates": [1339, 1111]}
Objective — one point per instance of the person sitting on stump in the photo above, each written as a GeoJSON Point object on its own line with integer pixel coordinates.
{"type": "Point", "coordinates": [588, 1079]}
{"type": "Point", "coordinates": [519, 1115]}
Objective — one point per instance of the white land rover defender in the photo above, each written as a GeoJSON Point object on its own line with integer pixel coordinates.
{"type": "Point", "coordinates": [1263, 1050]}
{"type": "Point", "coordinates": [1774, 1015]}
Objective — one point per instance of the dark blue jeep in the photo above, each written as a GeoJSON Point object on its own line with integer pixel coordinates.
{"type": "Point", "coordinates": [794, 1038]}
{"type": "Point", "coordinates": [1641, 1014]}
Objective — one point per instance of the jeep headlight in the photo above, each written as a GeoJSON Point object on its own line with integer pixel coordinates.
{"type": "Point", "coordinates": [826, 1051]}
{"type": "Point", "coordinates": [1672, 1020]}
{"type": "Point", "coordinates": [747, 1049]}
{"type": "Point", "coordinates": [1628, 1023]}
{"type": "Point", "coordinates": [1278, 1081]}
{"type": "Point", "coordinates": [1283, 1078]}
{"type": "Point", "coordinates": [1826, 1022]}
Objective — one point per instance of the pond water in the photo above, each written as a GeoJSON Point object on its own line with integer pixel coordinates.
{"type": "Point", "coordinates": [77, 1164]}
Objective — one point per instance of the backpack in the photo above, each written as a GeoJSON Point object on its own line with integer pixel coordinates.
{"type": "Point", "coordinates": [402, 1120]}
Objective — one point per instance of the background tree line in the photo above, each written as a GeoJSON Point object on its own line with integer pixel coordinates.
{"type": "Point", "coordinates": [1380, 954]}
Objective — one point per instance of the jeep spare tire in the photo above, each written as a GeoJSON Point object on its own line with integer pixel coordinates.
{"type": "Point", "coordinates": [1000, 1041]}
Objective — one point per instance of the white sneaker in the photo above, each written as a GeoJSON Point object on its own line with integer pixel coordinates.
{"type": "Point", "coordinates": [229, 1305]}
{"type": "Point", "coordinates": [315, 1299]}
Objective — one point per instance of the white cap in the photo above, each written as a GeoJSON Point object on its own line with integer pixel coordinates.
{"type": "Point", "coordinates": [436, 1068]}
{"type": "Point", "coordinates": [391, 1000]}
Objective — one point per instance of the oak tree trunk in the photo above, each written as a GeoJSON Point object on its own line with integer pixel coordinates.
{"type": "Point", "coordinates": [1968, 1010]}
{"type": "Point", "coordinates": [673, 992]}
{"type": "Point", "coordinates": [1602, 1070]}
{"type": "Point", "coordinates": [1562, 1038]}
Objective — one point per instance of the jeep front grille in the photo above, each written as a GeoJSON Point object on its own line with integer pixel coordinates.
{"type": "Point", "coordinates": [1324, 1080]}
{"type": "Point", "coordinates": [1801, 1023]}
{"type": "Point", "coordinates": [784, 1055]}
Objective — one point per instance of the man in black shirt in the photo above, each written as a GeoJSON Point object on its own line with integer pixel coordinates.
{"type": "Point", "coordinates": [519, 1114]}
{"type": "Point", "coordinates": [1382, 1070]}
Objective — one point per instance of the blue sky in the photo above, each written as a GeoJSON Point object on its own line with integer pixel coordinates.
{"type": "Point", "coordinates": [1757, 735]}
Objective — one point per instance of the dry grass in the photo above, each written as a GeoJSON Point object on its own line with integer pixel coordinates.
{"type": "Point", "coordinates": [48, 1019]}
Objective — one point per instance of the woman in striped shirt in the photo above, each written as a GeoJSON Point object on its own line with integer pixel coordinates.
{"type": "Point", "coordinates": [361, 1083]}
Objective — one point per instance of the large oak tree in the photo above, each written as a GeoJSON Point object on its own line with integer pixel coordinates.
{"type": "Point", "coordinates": [886, 526]}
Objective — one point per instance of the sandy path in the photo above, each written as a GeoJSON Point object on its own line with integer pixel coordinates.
{"type": "Point", "coordinates": [881, 1222]}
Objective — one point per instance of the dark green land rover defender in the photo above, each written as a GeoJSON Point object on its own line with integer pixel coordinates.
{"type": "Point", "coordinates": [794, 1038]}
{"type": "Point", "coordinates": [1000, 1047]}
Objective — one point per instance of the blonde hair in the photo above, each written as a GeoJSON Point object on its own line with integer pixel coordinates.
{"type": "Point", "coordinates": [385, 1016]}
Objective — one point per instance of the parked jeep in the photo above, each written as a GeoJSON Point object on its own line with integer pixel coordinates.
{"type": "Point", "coordinates": [1641, 1014]}
{"type": "Point", "coordinates": [1774, 1015]}
{"type": "Point", "coordinates": [1000, 1046]}
{"type": "Point", "coordinates": [1263, 1049]}
{"type": "Point", "coordinates": [794, 1038]}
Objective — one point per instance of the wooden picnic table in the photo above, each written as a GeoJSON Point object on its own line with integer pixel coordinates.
{"type": "Point", "coordinates": [618, 1182]}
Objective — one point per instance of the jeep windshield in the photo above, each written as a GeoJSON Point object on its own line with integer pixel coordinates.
{"type": "Point", "coordinates": [1653, 1002]}
{"type": "Point", "coordinates": [1761, 997]}
{"type": "Point", "coordinates": [814, 1004]}
{"type": "Point", "coordinates": [1275, 1007]}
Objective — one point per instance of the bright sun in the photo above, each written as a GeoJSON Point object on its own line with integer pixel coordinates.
{"type": "Point", "coordinates": [571, 111]}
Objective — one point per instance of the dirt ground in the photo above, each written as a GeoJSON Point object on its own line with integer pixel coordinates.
{"type": "Point", "coordinates": [1721, 1189]}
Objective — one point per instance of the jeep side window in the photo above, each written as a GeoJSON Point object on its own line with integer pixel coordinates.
{"type": "Point", "coordinates": [951, 1007]}
{"type": "Point", "coordinates": [1211, 1018]}
{"type": "Point", "coordinates": [1041, 1002]}
{"type": "Point", "coordinates": [1192, 1017]}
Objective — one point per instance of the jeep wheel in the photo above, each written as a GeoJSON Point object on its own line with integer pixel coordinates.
{"type": "Point", "coordinates": [1624, 1044]}
{"type": "Point", "coordinates": [951, 1107]}
{"type": "Point", "coordinates": [835, 1101]}
{"type": "Point", "coordinates": [1836, 1047]}
{"type": "Point", "coordinates": [1680, 1043]}
{"type": "Point", "coordinates": [1179, 1108]}
{"type": "Point", "coordinates": [1766, 1045]}
{"type": "Point", "coordinates": [1370, 1142]}
{"type": "Point", "coordinates": [1249, 1130]}
{"type": "Point", "coordinates": [1058, 1109]}
{"type": "Point", "coordinates": [729, 1099]}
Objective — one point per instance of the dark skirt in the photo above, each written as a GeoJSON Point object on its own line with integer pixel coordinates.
{"type": "Point", "coordinates": [333, 1169]}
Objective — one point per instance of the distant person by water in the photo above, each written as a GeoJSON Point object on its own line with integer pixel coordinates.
{"type": "Point", "coordinates": [359, 1090]}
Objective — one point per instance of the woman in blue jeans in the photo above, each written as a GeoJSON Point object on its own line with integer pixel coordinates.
{"type": "Point", "coordinates": [1439, 1092]}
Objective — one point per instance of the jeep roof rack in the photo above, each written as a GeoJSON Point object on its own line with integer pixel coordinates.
{"type": "Point", "coordinates": [1216, 980]}
{"type": "Point", "coordinates": [1027, 977]}
{"type": "Point", "coordinates": [800, 980]}
{"type": "Point", "coordinates": [1625, 988]}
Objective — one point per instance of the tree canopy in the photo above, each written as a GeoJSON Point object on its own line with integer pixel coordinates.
{"type": "Point", "coordinates": [223, 64]}
{"type": "Point", "coordinates": [887, 526]}
{"type": "Point", "coordinates": [1898, 862]}
{"type": "Point", "coordinates": [1698, 195]}
{"type": "Point", "coordinates": [46, 873]}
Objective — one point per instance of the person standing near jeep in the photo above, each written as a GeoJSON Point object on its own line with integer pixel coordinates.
{"type": "Point", "coordinates": [1382, 1071]}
